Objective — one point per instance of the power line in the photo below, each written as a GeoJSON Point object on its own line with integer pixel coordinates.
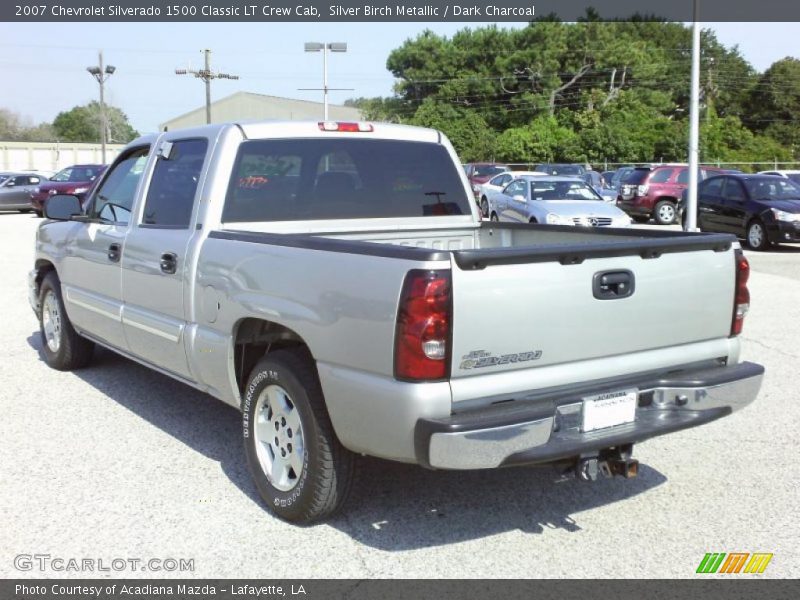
{"type": "Point", "coordinates": [206, 75]}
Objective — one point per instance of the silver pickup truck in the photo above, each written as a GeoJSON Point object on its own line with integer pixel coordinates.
{"type": "Point", "coordinates": [335, 282]}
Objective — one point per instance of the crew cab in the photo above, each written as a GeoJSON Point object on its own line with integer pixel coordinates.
{"type": "Point", "coordinates": [324, 279]}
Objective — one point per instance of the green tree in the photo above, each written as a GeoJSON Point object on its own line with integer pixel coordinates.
{"type": "Point", "coordinates": [14, 128]}
{"type": "Point", "coordinates": [774, 103]}
{"type": "Point", "coordinates": [471, 137]}
{"type": "Point", "coordinates": [542, 140]}
{"type": "Point", "coordinates": [82, 124]}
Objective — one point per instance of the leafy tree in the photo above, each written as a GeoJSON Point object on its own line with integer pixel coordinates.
{"type": "Point", "coordinates": [774, 103]}
{"type": "Point", "coordinates": [82, 124]}
{"type": "Point", "coordinates": [468, 132]}
{"type": "Point", "coordinates": [14, 128]}
{"type": "Point", "coordinates": [542, 140]}
{"type": "Point", "coordinates": [591, 91]}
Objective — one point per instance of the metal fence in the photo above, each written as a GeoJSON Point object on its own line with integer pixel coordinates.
{"type": "Point", "coordinates": [748, 167]}
{"type": "Point", "coordinates": [49, 157]}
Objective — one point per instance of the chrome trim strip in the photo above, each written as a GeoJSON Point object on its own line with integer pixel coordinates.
{"type": "Point", "coordinates": [126, 320]}
{"type": "Point", "coordinates": [91, 303]}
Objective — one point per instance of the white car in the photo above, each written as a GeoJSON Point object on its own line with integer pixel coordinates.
{"type": "Point", "coordinates": [497, 183]}
{"type": "Point", "coordinates": [554, 201]}
{"type": "Point", "coordinates": [792, 174]}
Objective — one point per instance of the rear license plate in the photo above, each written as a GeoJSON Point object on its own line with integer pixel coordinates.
{"type": "Point", "coordinates": [609, 409]}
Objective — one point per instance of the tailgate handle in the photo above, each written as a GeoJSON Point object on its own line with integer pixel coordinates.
{"type": "Point", "coordinates": [610, 285]}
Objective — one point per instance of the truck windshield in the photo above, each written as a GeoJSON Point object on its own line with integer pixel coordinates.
{"type": "Point", "coordinates": [308, 179]}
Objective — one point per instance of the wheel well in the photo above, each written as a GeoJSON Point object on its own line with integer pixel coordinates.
{"type": "Point", "coordinates": [255, 338]}
{"type": "Point", "coordinates": [42, 267]}
{"type": "Point", "coordinates": [667, 199]}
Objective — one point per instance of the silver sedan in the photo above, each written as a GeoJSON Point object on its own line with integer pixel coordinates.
{"type": "Point", "coordinates": [554, 201]}
{"type": "Point", "coordinates": [16, 190]}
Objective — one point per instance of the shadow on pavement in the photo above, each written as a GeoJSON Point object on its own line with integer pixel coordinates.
{"type": "Point", "coordinates": [393, 506]}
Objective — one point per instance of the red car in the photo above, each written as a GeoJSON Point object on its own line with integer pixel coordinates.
{"type": "Point", "coordinates": [76, 180]}
{"type": "Point", "coordinates": [654, 192]}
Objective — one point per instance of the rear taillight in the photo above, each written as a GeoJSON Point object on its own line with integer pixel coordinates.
{"type": "Point", "coordinates": [741, 298]}
{"type": "Point", "coordinates": [641, 190]}
{"type": "Point", "coordinates": [424, 320]}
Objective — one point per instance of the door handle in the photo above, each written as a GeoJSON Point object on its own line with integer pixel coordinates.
{"type": "Point", "coordinates": [169, 263]}
{"type": "Point", "coordinates": [114, 252]}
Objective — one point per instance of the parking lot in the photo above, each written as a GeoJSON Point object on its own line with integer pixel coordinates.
{"type": "Point", "coordinates": [116, 461]}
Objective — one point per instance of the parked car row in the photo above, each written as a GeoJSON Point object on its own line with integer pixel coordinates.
{"type": "Point", "coordinates": [491, 177]}
{"type": "Point", "coordinates": [26, 191]}
{"type": "Point", "coordinates": [647, 192]}
{"type": "Point", "coordinates": [553, 200]}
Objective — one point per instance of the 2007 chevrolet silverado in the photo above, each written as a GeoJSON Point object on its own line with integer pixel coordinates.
{"type": "Point", "coordinates": [335, 282]}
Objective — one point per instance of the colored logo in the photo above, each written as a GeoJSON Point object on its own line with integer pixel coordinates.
{"type": "Point", "coordinates": [734, 562]}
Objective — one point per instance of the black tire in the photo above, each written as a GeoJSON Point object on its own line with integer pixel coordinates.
{"type": "Point", "coordinates": [494, 217]}
{"type": "Point", "coordinates": [39, 213]}
{"type": "Point", "coordinates": [763, 239]}
{"type": "Point", "coordinates": [662, 209]}
{"type": "Point", "coordinates": [640, 219]}
{"type": "Point", "coordinates": [533, 221]}
{"type": "Point", "coordinates": [70, 351]}
{"type": "Point", "coordinates": [484, 207]}
{"type": "Point", "coordinates": [25, 210]}
{"type": "Point", "coordinates": [328, 468]}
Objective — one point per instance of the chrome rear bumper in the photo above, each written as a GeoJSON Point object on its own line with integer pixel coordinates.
{"type": "Point", "coordinates": [546, 430]}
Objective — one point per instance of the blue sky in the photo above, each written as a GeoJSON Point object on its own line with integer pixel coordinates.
{"type": "Point", "coordinates": [43, 64]}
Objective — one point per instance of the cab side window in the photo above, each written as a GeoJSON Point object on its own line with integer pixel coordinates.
{"type": "Point", "coordinates": [113, 200]}
{"type": "Point", "coordinates": [170, 199]}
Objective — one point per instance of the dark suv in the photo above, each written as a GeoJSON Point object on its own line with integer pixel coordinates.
{"type": "Point", "coordinates": [654, 192]}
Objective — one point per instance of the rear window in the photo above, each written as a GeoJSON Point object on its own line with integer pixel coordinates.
{"type": "Point", "coordinates": [636, 176]}
{"type": "Point", "coordinates": [308, 179]}
{"type": "Point", "coordinates": [488, 170]}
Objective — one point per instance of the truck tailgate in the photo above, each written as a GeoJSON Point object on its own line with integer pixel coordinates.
{"type": "Point", "coordinates": [511, 314]}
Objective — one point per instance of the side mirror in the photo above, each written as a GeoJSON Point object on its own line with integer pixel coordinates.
{"type": "Point", "coordinates": [519, 198]}
{"type": "Point", "coordinates": [61, 207]}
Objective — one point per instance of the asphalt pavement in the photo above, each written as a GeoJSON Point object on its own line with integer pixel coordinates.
{"type": "Point", "coordinates": [118, 462]}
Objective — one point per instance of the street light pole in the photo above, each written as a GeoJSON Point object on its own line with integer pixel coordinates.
{"type": "Point", "coordinates": [333, 47]}
{"type": "Point", "coordinates": [694, 125]}
{"type": "Point", "coordinates": [206, 74]}
{"type": "Point", "coordinates": [101, 74]}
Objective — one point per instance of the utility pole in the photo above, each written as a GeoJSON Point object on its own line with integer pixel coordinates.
{"type": "Point", "coordinates": [694, 124]}
{"type": "Point", "coordinates": [333, 47]}
{"type": "Point", "coordinates": [206, 74]}
{"type": "Point", "coordinates": [101, 74]}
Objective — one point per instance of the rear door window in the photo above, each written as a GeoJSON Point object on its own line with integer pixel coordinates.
{"type": "Point", "coordinates": [308, 179]}
{"type": "Point", "coordinates": [636, 176]}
